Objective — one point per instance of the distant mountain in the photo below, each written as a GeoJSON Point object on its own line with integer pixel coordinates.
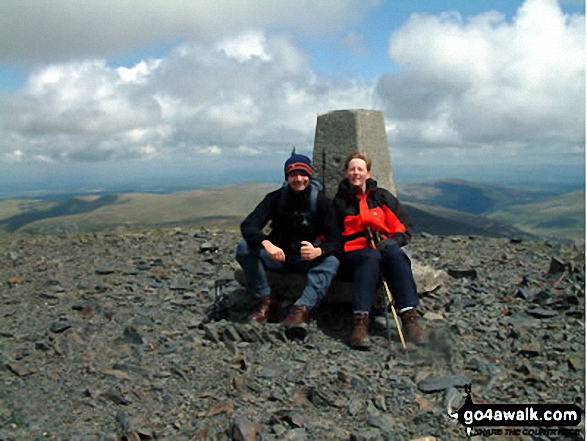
{"type": "Point", "coordinates": [228, 206]}
{"type": "Point", "coordinates": [469, 197]}
{"type": "Point", "coordinates": [563, 216]}
{"type": "Point", "coordinates": [214, 206]}
{"type": "Point", "coordinates": [441, 221]}
{"type": "Point", "coordinates": [541, 213]}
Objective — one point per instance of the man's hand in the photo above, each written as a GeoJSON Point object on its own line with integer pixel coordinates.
{"type": "Point", "coordinates": [309, 251]}
{"type": "Point", "coordinates": [275, 253]}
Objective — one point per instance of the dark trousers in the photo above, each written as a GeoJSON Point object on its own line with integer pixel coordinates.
{"type": "Point", "coordinates": [366, 266]}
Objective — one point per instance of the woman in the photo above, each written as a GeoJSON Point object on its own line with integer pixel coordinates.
{"type": "Point", "coordinates": [365, 210]}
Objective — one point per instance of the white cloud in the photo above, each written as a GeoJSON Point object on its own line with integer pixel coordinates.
{"type": "Point", "coordinates": [495, 85]}
{"type": "Point", "coordinates": [15, 156]}
{"type": "Point", "coordinates": [488, 81]}
{"type": "Point", "coordinates": [245, 47]}
{"type": "Point", "coordinates": [138, 73]}
{"type": "Point", "coordinates": [242, 111]}
{"type": "Point", "coordinates": [250, 151]}
{"type": "Point", "coordinates": [197, 96]}
{"type": "Point", "coordinates": [148, 152]}
{"type": "Point", "coordinates": [211, 150]}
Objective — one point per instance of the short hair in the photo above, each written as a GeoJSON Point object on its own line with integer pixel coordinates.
{"type": "Point", "coordinates": [359, 154]}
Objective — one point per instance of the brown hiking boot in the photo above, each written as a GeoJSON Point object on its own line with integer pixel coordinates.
{"type": "Point", "coordinates": [360, 332]}
{"type": "Point", "coordinates": [410, 325]}
{"type": "Point", "coordinates": [296, 323]}
{"type": "Point", "coordinates": [265, 309]}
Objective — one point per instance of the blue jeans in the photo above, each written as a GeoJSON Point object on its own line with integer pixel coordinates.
{"type": "Point", "coordinates": [255, 262]}
{"type": "Point", "coordinates": [367, 265]}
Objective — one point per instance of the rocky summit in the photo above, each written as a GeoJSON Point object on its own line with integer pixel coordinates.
{"type": "Point", "coordinates": [143, 335]}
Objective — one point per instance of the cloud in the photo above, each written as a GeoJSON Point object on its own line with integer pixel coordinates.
{"type": "Point", "coordinates": [263, 93]}
{"type": "Point", "coordinates": [14, 156]}
{"type": "Point", "coordinates": [251, 151]}
{"type": "Point", "coordinates": [477, 89]}
{"type": "Point", "coordinates": [485, 81]}
{"type": "Point", "coordinates": [245, 47]}
{"type": "Point", "coordinates": [211, 150]}
{"type": "Point", "coordinates": [57, 30]}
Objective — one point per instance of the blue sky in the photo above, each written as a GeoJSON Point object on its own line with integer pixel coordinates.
{"type": "Point", "coordinates": [155, 93]}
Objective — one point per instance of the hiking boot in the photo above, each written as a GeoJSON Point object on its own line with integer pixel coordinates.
{"type": "Point", "coordinates": [296, 323]}
{"type": "Point", "coordinates": [265, 309]}
{"type": "Point", "coordinates": [410, 325]}
{"type": "Point", "coordinates": [360, 332]}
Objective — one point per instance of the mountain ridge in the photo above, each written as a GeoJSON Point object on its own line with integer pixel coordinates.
{"type": "Point", "coordinates": [227, 206]}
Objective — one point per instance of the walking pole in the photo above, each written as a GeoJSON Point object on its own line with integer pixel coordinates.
{"type": "Point", "coordinates": [389, 304]}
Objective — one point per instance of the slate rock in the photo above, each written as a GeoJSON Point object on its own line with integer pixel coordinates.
{"type": "Point", "coordinates": [133, 336]}
{"type": "Point", "coordinates": [525, 294]}
{"type": "Point", "coordinates": [84, 304]}
{"type": "Point", "coordinates": [367, 435]}
{"type": "Point", "coordinates": [187, 377]}
{"type": "Point", "coordinates": [60, 326]}
{"type": "Point", "coordinates": [20, 369]}
{"type": "Point", "coordinates": [179, 284]}
{"type": "Point", "coordinates": [208, 247]}
{"type": "Point", "coordinates": [458, 303]}
{"type": "Point", "coordinates": [437, 384]}
{"type": "Point", "coordinates": [556, 266]}
{"type": "Point", "coordinates": [384, 423]}
{"type": "Point", "coordinates": [460, 273]}
{"type": "Point", "coordinates": [105, 271]}
{"type": "Point", "coordinates": [244, 430]}
{"type": "Point", "coordinates": [542, 313]}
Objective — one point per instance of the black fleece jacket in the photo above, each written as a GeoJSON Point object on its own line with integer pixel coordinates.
{"type": "Point", "coordinates": [287, 226]}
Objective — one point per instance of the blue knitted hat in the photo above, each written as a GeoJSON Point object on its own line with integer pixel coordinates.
{"type": "Point", "coordinates": [299, 163]}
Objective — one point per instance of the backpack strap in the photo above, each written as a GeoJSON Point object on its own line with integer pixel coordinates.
{"type": "Point", "coordinates": [282, 198]}
{"type": "Point", "coordinates": [314, 200]}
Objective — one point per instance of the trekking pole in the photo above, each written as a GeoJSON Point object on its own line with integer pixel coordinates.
{"type": "Point", "coordinates": [324, 169]}
{"type": "Point", "coordinates": [373, 241]}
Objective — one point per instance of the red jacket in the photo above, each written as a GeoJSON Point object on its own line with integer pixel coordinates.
{"type": "Point", "coordinates": [377, 208]}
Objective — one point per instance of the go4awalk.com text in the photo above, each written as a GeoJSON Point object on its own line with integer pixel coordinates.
{"type": "Point", "coordinates": [519, 419]}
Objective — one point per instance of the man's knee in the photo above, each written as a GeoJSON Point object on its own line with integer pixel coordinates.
{"type": "Point", "coordinates": [330, 264]}
{"type": "Point", "coordinates": [242, 248]}
{"type": "Point", "coordinates": [244, 251]}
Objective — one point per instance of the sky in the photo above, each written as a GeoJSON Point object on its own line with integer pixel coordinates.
{"type": "Point", "coordinates": [149, 94]}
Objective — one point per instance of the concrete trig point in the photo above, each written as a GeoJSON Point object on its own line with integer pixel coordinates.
{"type": "Point", "coordinates": [341, 132]}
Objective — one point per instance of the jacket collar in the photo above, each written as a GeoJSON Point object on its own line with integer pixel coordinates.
{"type": "Point", "coordinates": [348, 191]}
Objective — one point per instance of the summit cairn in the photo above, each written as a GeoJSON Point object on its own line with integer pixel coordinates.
{"type": "Point", "coordinates": [340, 132]}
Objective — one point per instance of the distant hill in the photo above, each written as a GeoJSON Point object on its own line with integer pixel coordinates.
{"type": "Point", "coordinates": [559, 217]}
{"type": "Point", "coordinates": [469, 197]}
{"type": "Point", "coordinates": [563, 216]}
{"type": "Point", "coordinates": [217, 206]}
{"type": "Point", "coordinates": [540, 213]}
{"type": "Point", "coordinates": [441, 221]}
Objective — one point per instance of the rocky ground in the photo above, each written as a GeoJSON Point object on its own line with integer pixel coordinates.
{"type": "Point", "coordinates": [118, 336]}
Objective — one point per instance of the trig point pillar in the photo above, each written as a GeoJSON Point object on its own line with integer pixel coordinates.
{"type": "Point", "coordinates": [341, 132]}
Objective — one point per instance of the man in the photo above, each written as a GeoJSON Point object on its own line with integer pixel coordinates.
{"type": "Point", "coordinates": [304, 238]}
{"type": "Point", "coordinates": [364, 208]}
